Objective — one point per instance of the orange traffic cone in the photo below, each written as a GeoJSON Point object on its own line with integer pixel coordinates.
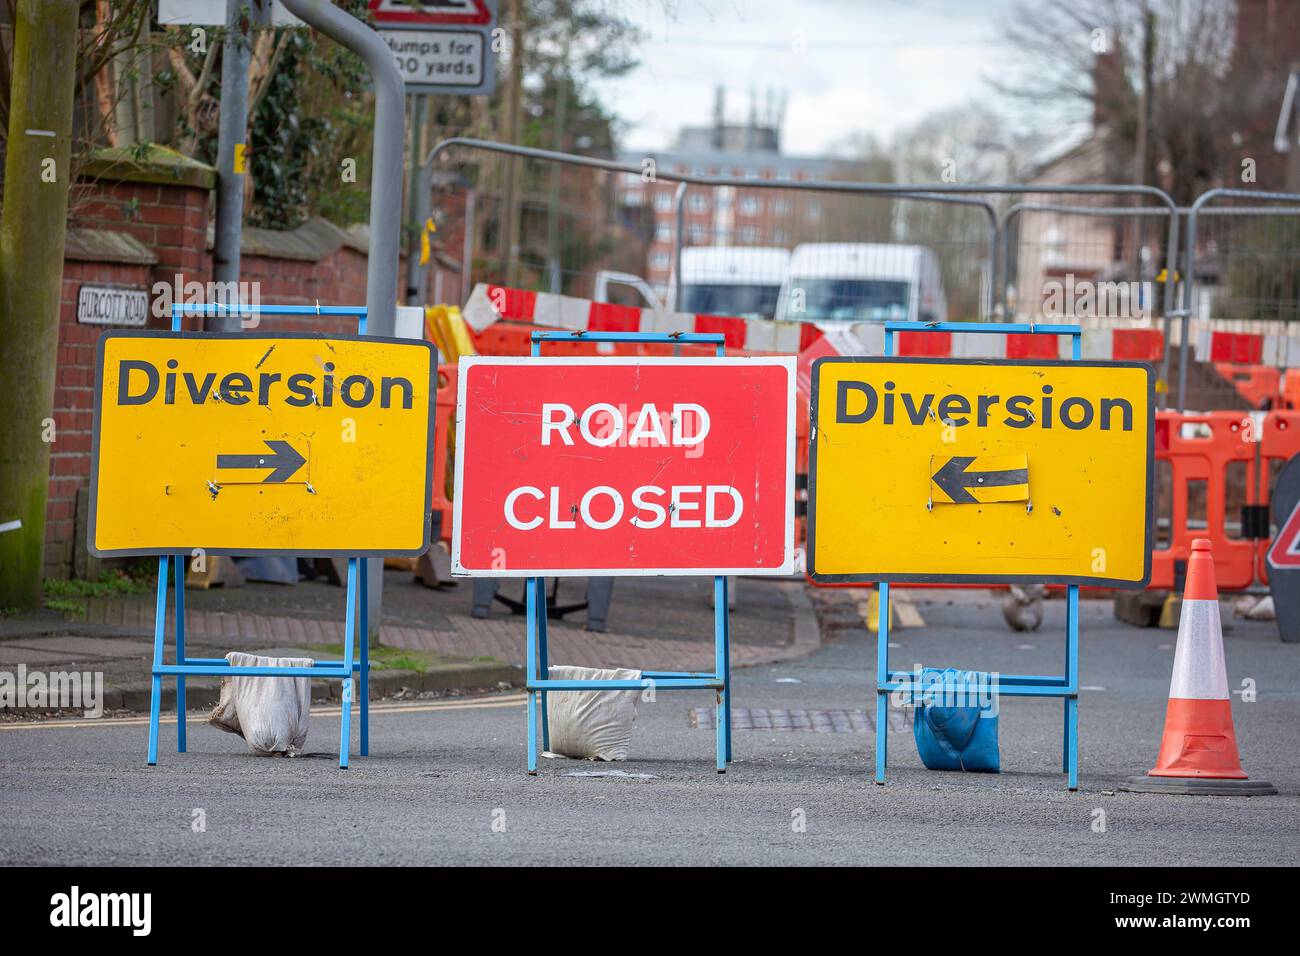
{"type": "Point", "coordinates": [1199, 752]}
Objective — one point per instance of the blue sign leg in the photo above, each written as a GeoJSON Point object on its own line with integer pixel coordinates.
{"type": "Point", "coordinates": [530, 673]}
{"type": "Point", "coordinates": [1072, 679]}
{"type": "Point", "coordinates": [1065, 735]}
{"type": "Point", "coordinates": [363, 675]}
{"type": "Point", "coordinates": [543, 659]}
{"type": "Point", "coordinates": [159, 626]}
{"type": "Point", "coordinates": [180, 652]}
{"type": "Point", "coordinates": [726, 660]}
{"type": "Point", "coordinates": [720, 712]}
{"type": "Point", "coordinates": [349, 634]}
{"type": "Point", "coordinates": [882, 678]}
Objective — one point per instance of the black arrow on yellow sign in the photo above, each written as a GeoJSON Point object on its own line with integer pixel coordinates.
{"type": "Point", "coordinates": [286, 461]}
{"type": "Point", "coordinates": [954, 479]}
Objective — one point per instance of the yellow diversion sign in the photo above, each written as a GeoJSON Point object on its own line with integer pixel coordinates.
{"type": "Point", "coordinates": [932, 470]}
{"type": "Point", "coordinates": [245, 443]}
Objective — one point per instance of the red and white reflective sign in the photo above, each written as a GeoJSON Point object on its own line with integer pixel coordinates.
{"type": "Point", "coordinates": [1284, 552]}
{"type": "Point", "coordinates": [624, 466]}
{"type": "Point", "coordinates": [412, 13]}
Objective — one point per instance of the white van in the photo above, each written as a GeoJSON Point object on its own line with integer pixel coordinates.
{"type": "Point", "coordinates": [740, 281]}
{"type": "Point", "coordinates": [831, 282]}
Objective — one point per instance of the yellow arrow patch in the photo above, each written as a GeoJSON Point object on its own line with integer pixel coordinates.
{"type": "Point", "coordinates": [978, 479]}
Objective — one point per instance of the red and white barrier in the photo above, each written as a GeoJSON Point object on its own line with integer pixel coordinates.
{"type": "Point", "coordinates": [490, 303]}
{"type": "Point", "coordinates": [1134, 345]}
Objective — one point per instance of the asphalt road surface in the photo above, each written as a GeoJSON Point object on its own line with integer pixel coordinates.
{"type": "Point", "coordinates": [446, 784]}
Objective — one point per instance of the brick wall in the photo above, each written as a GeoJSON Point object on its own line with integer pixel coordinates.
{"type": "Point", "coordinates": [339, 279]}
{"type": "Point", "coordinates": [169, 219]}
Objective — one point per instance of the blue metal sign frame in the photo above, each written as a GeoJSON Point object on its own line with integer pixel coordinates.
{"type": "Point", "coordinates": [719, 680]}
{"type": "Point", "coordinates": [356, 625]}
{"type": "Point", "coordinates": [1010, 685]}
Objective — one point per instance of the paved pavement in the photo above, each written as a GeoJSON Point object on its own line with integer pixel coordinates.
{"type": "Point", "coordinates": [446, 782]}
{"type": "Point", "coordinates": [656, 623]}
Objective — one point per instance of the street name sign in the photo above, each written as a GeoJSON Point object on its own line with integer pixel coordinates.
{"type": "Point", "coordinates": [278, 443]}
{"type": "Point", "coordinates": [112, 305]}
{"type": "Point", "coordinates": [440, 46]}
{"type": "Point", "coordinates": [624, 466]}
{"type": "Point", "coordinates": [948, 470]}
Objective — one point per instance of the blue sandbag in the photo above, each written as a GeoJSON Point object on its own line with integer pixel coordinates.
{"type": "Point", "coordinates": [957, 738]}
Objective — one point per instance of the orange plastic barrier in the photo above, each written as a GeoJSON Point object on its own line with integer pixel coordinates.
{"type": "Point", "coordinates": [1257, 384]}
{"type": "Point", "coordinates": [444, 447]}
{"type": "Point", "coordinates": [1204, 448]}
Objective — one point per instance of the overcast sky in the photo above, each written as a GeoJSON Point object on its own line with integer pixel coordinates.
{"type": "Point", "coordinates": [867, 65]}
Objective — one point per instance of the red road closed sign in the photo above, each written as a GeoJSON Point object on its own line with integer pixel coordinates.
{"type": "Point", "coordinates": [623, 466]}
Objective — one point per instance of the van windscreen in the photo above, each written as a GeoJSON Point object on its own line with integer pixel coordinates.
{"type": "Point", "coordinates": [741, 301]}
{"type": "Point", "coordinates": [847, 300]}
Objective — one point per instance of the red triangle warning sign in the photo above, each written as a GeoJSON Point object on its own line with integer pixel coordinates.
{"type": "Point", "coordinates": [412, 13]}
{"type": "Point", "coordinates": [1285, 550]}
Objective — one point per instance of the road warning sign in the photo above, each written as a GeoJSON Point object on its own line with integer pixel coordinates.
{"type": "Point", "coordinates": [245, 443]}
{"type": "Point", "coordinates": [417, 13]}
{"type": "Point", "coordinates": [1284, 552]}
{"type": "Point", "coordinates": [623, 466]}
{"type": "Point", "coordinates": [950, 470]}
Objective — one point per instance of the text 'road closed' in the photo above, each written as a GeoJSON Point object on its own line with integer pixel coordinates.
{"type": "Point", "coordinates": [624, 466]}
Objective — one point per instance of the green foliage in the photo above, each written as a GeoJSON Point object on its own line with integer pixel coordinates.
{"type": "Point", "coordinates": [398, 658]}
{"type": "Point", "coordinates": [72, 596]}
{"type": "Point", "coordinates": [316, 113]}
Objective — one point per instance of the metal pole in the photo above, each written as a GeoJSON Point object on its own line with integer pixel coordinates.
{"type": "Point", "coordinates": [679, 218]}
{"type": "Point", "coordinates": [236, 48]}
{"type": "Point", "coordinates": [415, 284]}
{"type": "Point", "coordinates": [467, 248]}
{"type": "Point", "coordinates": [385, 195]}
{"type": "Point", "coordinates": [553, 255]}
{"type": "Point", "coordinates": [386, 172]}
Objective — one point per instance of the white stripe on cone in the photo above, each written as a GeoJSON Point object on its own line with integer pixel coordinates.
{"type": "Point", "coordinates": [1199, 669]}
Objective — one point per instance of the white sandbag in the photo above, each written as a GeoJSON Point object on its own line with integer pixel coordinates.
{"type": "Point", "coordinates": [270, 713]}
{"type": "Point", "coordinates": [591, 724]}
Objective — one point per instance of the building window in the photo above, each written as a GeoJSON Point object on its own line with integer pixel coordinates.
{"type": "Point", "coordinates": [633, 197]}
{"type": "Point", "coordinates": [698, 202]}
{"type": "Point", "coordinates": [750, 206]}
{"type": "Point", "coordinates": [749, 235]}
{"type": "Point", "coordinates": [814, 212]}
{"type": "Point", "coordinates": [781, 207]}
{"type": "Point", "coordinates": [659, 260]}
{"type": "Point", "coordinates": [663, 232]}
{"type": "Point", "coordinates": [780, 237]}
{"type": "Point", "coordinates": [698, 234]}
{"type": "Point", "coordinates": [663, 201]}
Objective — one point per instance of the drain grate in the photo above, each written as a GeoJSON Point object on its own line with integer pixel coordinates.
{"type": "Point", "coordinates": [763, 718]}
